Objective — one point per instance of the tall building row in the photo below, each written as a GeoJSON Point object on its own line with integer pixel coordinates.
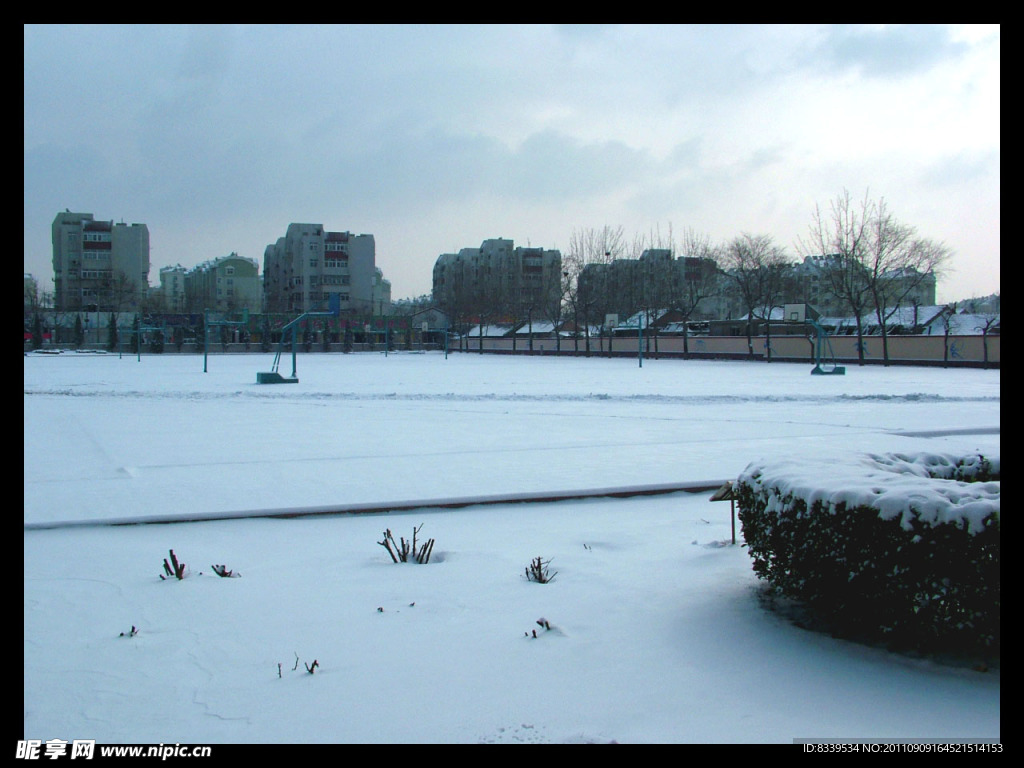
{"type": "Point", "coordinates": [102, 266]}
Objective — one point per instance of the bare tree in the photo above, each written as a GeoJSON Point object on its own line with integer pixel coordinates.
{"type": "Point", "coordinates": [871, 261]}
{"type": "Point", "coordinates": [656, 269]}
{"type": "Point", "coordinates": [898, 262]}
{"type": "Point", "coordinates": [554, 301]}
{"type": "Point", "coordinates": [453, 298]}
{"type": "Point", "coordinates": [121, 292]}
{"type": "Point", "coordinates": [987, 322]}
{"type": "Point", "coordinates": [696, 278]}
{"type": "Point", "coordinates": [948, 317]}
{"type": "Point", "coordinates": [756, 269]}
{"type": "Point", "coordinates": [486, 302]}
{"type": "Point", "coordinates": [840, 239]}
{"type": "Point", "coordinates": [585, 264]}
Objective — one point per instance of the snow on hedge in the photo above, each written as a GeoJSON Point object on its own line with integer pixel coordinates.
{"type": "Point", "coordinates": [934, 488]}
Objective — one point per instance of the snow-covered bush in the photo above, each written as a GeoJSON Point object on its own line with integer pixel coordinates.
{"type": "Point", "coordinates": [901, 548]}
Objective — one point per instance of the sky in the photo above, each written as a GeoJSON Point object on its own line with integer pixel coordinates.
{"type": "Point", "coordinates": [435, 138]}
{"type": "Point", "coordinates": [653, 629]}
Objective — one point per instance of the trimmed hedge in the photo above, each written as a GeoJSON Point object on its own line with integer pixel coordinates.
{"type": "Point", "coordinates": [893, 548]}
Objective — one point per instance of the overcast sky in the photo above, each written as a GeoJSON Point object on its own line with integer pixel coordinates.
{"type": "Point", "coordinates": [434, 138]}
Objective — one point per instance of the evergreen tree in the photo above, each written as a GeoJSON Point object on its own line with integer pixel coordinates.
{"type": "Point", "coordinates": [136, 339]}
{"type": "Point", "coordinates": [37, 331]}
{"type": "Point", "coordinates": [112, 335]}
{"type": "Point", "coordinates": [265, 335]}
{"type": "Point", "coordinates": [79, 339]}
{"type": "Point", "coordinates": [347, 345]}
{"type": "Point", "coordinates": [201, 334]}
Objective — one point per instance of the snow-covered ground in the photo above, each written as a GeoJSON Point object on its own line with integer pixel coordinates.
{"type": "Point", "coordinates": [656, 631]}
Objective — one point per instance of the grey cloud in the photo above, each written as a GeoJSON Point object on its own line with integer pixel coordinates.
{"type": "Point", "coordinates": [415, 165]}
{"type": "Point", "coordinates": [890, 51]}
{"type": "Point", "coordinates": [552, 166]}
{"type": "Point", "coordinates": [962, 167]}
{"type": "Point", "coordinates": [207, 52]}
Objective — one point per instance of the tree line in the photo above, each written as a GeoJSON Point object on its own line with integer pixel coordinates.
{"type": "Point", "coordinates": [871, 263]}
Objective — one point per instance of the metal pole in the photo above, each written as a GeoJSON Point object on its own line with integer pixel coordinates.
{"type": "Point", "coordinates": [732, 509]}
{"type": "Point", "coordinates": [206, 336]}
{"type": "Point", "coordinates": [295, 331]}
{"type": "Point", "coordinates": [640, 340]}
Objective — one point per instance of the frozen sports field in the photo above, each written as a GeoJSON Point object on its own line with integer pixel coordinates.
{"type": "Point", "coordinates": [109, 437]}
{"type": "Point", "coordinates": [657, 636]}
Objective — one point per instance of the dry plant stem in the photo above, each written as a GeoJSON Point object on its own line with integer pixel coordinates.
{"type": "Point", "coordinates": [179, 568]}
{"type": "Point", "coordinates": [538, 571]}
{"type": "Point", "coordinates": [400, 551]}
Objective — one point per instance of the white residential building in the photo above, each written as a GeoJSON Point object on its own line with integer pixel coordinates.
{"type": "Point", "coordinates": [99, 265]}
{"type": "Point", "coordinates": [310, 269]}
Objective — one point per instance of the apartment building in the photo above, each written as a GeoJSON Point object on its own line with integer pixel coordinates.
{"type": "Point", "coordinates": [655, 280]}
{"type": "Point", "coordinates": [227, 284]}
{"type": "Point", "coordinates": [810, 284]}
{"type": "Point", "coordinates": [170, 293]}
{"type": "Point", "coordinates": [310, 269]}
{"type": "Point", "coordinates": [99, 266]}
{"type": "Point", "coordinates": [499, 279]}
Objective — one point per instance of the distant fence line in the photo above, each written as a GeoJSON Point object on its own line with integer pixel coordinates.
{"type": "Point", "coordinates": [952, 351]}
